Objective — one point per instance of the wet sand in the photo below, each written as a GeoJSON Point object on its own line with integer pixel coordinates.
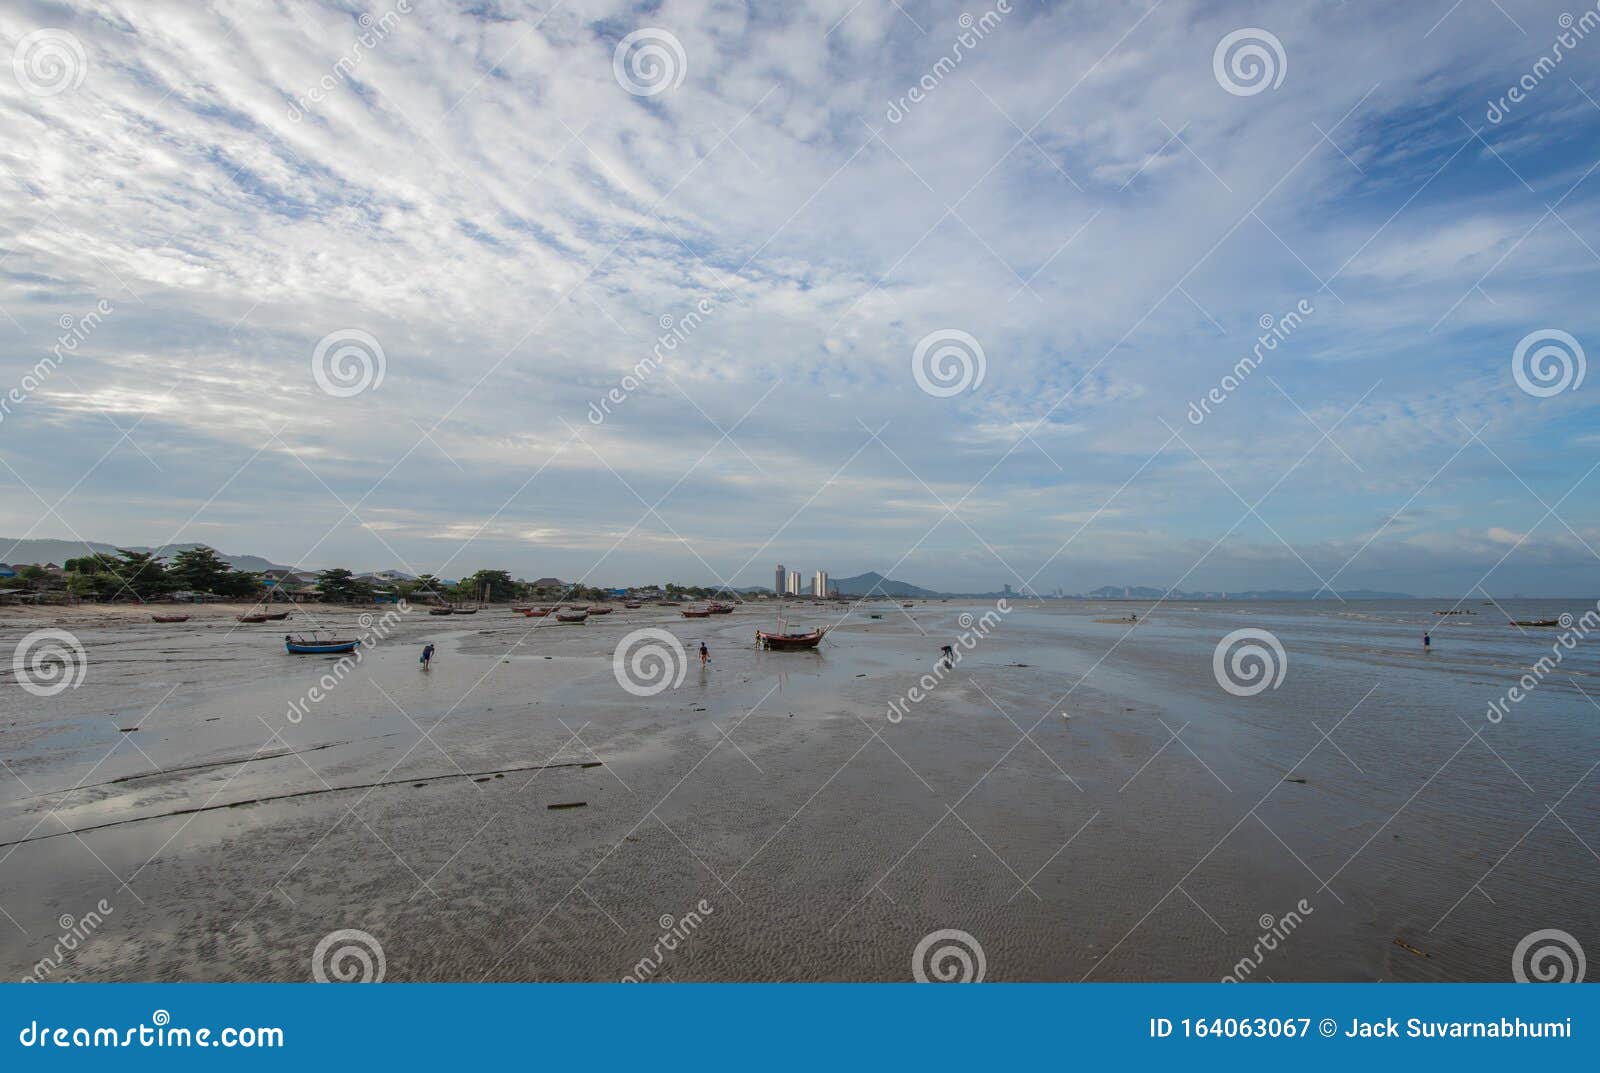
{"type": "Point", "coordinates": [827, 839]}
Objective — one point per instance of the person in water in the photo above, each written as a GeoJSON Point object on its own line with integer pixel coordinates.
{"type": "Point", "coordinates": [427, 656]}
{"type": "Point", "coordinates": [1427, 642]}
{"type": "Point", "coordinates": [705, 654]}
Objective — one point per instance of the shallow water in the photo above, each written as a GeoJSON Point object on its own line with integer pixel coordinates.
{"type": "Point", "coordinates": [1144, 837]}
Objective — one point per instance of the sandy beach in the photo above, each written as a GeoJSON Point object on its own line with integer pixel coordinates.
{"type": "Point", "coordinates": [1078, 795]}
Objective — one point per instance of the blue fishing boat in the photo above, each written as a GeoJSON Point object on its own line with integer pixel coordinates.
{"type": "Point", "coordinates": [311, 646]}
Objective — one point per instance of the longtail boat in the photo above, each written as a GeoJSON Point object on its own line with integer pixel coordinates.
{"type": "Point", "coordinates": [312, 646]}
{"type": "Point", "coordinates": [791, 641]}
{"type": "Point", "coordinates": [169, 618]}
{"type": "Point", "coordinates": [633, 605]}
{"type": "Point", "coordinates": [721, 609]}
{"type": "Point", "coordinates": [252, 618]}
{"type": "Point", "coordinates": [695, 612]}
{"type": "Point", "coordinates": [441, 610]}
{"type": "Point", "coordinates": [1535, 622]}
{"type": "Point", "coordinates": [571, 616]}
{"type": "Point", "coordinates": [600, 610]}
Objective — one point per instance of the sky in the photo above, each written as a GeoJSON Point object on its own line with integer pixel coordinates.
{"type": "Point", "coordinates": [388, 286]}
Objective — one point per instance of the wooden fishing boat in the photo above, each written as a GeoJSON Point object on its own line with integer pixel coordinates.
{"type": "Point", "coordinates": [600, 610]}
{"type": "Point", "coordinates": [441, 610]}
{"type": "Point", "coordinates": [253, 618]}
{"type": "Point", "coordinates": [521, 610]}
{"type": "Point", "coordinates": [666, 603]}
{"type": "Point", "coordinates": [1536, 622]}
{"type": "Point", "coordinates": [874, 616]}
{"type": "Point", "coordinates": [633, 605]}
{"type": "Point", "coordinates": [695, 612]}
{"type": "Point", "coordinates": [721, 609]}
{"type": "Point", "coordinates": [278, 616]}
{"type": "Point", "coordinates": [1455, 612]}
{"type": "Point", "coordinates": [538, 612]}
{"type": "Point", "coordinates": [169, 618]}
{"type": "Point", "coordinates": [464, 611]}
{"type": "Point", "coordinates": [791, 641]}
{"type": "Point", "coordinates": [314, 646]}
{"type": "Point", "coordinates": [571, 616]}
{"type": "Point", "coordinates": [576, 607]}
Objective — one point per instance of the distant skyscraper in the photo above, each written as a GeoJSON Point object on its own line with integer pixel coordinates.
{"type": "Point", "coordinates": [819, 583]}
{"type": "Point", "coordinates": [779, 580]}
{"type": "Point", "coordinates": [792, 583]}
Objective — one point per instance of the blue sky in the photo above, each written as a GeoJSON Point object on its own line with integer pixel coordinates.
{"type": "Point", "coordinates": [1088, 192]}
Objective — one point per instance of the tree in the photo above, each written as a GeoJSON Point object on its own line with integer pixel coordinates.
{"type": "Point", "coordinates": [341, 585]}
{"type": "Point", "coordinates": [497, 582]}
{"type": "Point", "coordinates": [140, 574]}
{"type": "Point", "coordinates": [199, 569]}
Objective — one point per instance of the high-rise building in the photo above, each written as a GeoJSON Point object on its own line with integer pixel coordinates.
{"type": "Point", "coordinates": [780, 579]}
{"type": "Point", "coordinates": [792, 583]}
{"type": "Point", "coordinates": [819, 584]}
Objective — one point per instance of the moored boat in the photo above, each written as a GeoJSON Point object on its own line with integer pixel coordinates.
{"type": "Point", "coordinates": [441, 610]}
{"type": "Point", "coordinates": [695, 612]}
{"type": "Point", "coordinates": [791, 641]}
{"type": "Point", "coordinates": [633, 605]}
{"type": "Point", "coordinates": [252, 618]}
{"type": "Point", "coordinates": [314, 646]}
{"type": "Point", "coordinates": [169, 618]}
{"type": "Point", "coordinates": [1536, 622]}
{"type": "Point", "coordinates": [571, 616]}
{"type": "Point", "coordinates": [600, 610]}
{"type": "Point", "coordinates": [720, 609]}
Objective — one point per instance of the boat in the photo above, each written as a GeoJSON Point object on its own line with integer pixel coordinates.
{"type": "Point", "coordinates": [666, 603]}
{"type": "Point", "coordinates": [633, 605]}
{"type": "Point", "coordinates": [571, 616]}
{"type": "Point", "coordinates": [169, 618]}
{"type": "Point", "coordinates": [908, 605]}
{"type": "Point", "coordinates": [874, 616]}
{"type": "Point", "coordinates": [538, 612]}
{"type": "Point", "coordinates": [791, 641]}
{"type": "Point", "coordinates": [312, 646]}
{"type": "Point", "coordinates": [721, 609]}
{"type": "Point", "coordinates": [441, 611]}
{"type": "Point", "coordinates": [1536, 622]}
{"type": "Point", "coordinates": [521, 610]}
{"type": "Point", "coordinates": [600, 610]}
{"type": "Point", "coordinates": [577, 607]}
{"type": "Point", "coordinates": [253, 618]}
{"type": "Point", "coordinates": [464, 611]}
{"type": "Point", "coordinates": [695, 612]}
{"type": "Point", "coordinates": [1455, 612]}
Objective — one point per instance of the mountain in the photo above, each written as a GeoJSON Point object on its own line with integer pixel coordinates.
{"type": "Point", "coordinates": [1144, 592]}
{"type": "Point", "coordinates": [58, 551]}
{"type": "Point", "coordinates": [874, 583]}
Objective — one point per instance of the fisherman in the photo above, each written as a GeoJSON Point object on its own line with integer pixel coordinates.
{"type": "Point", "coordinates": [705, 654]}
{"type": "Point", "coordinates": [949, 655]}
{"type": "Point", "coordinates": [427, 656]}
{"type": "Point", "coordinates": [1427, 642]}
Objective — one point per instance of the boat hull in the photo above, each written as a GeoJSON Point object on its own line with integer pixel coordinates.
{"type": "Point", "coordinates": [311, 648]}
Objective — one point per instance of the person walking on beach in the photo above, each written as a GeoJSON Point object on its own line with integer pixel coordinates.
{"type": "Point", "coordinates": [705, 654]}
{"type": "Point", "coordinates": [427, 656]}
{"type": "Point", "coordinates": [1427, 642]}
{"type": "Point", "coordinates": [949, 655]}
